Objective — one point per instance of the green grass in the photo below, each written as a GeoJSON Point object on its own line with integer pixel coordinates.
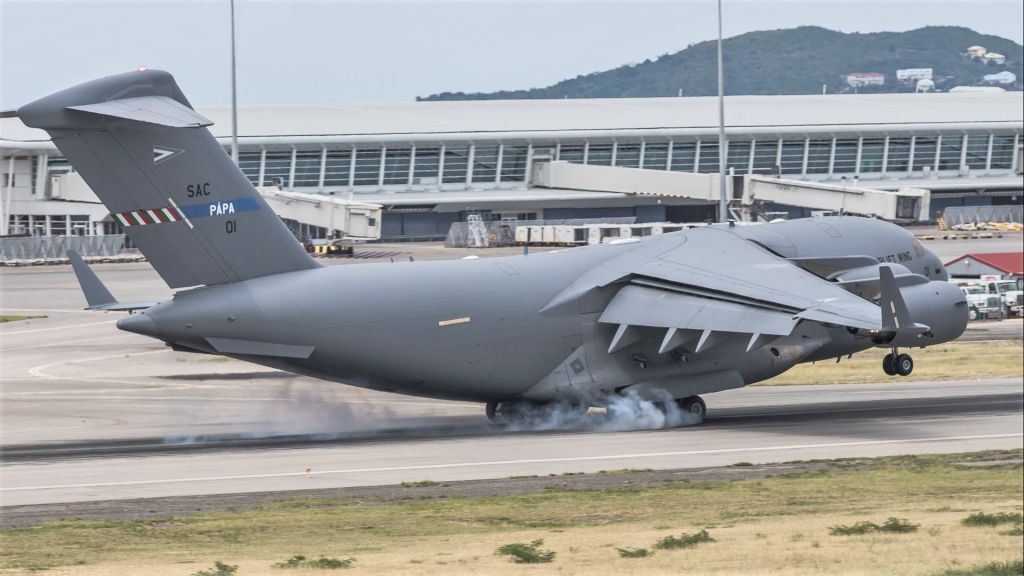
{"type": "Point", "coordinates": [683, 541]}
{"type": "Point", "coordinates": [892, 526]}
{"type": "Point", "coordinates": [1013, 568]}
{"type": "Point", "coordinates": [997, 519]}
{"type": "Point", "coordinates": [843, 491]}
{"type": "Point", "coordinates": [531, 553]}
{"type": "Point", "coordinates": [16, 318]}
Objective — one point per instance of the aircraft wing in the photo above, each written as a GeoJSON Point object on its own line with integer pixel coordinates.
{"type": "Point", "coordinates": [712, 281]}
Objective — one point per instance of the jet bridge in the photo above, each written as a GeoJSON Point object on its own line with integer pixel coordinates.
{"type": "Point", "coordinates": [743, 191]}
{"type": "Point", "coordinates": [350, 219]}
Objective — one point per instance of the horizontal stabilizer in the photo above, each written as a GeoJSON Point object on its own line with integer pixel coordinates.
{"type": "Point", "coordinates": [159, 110]}
{"type": "Point", "coordinates": [253, 348]}
{"type": "Point", "coordinates": [96, 294]}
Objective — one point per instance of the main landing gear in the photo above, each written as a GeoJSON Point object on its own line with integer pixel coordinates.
{"type": "Point", "coordinates": [693, 408]}
{"type": "Point", "coordinates": [895, 363]}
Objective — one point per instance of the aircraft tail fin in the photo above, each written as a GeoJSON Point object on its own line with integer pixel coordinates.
{"type": "Point", "coordinates": [895, 315]}
{"type": "Point", "coordinates": [148, 156]}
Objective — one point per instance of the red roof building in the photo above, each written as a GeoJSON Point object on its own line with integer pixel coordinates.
{"type": "Point", "coordinates": [998, 263]}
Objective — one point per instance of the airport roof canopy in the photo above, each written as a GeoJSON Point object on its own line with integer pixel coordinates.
{"type": "Point", "coordinates": [607, 116]}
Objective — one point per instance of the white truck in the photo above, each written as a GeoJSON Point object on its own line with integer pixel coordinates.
{"type": "Point", "coordinates": [1010, 295]}
{"type": "Point", "coordinates": [980, 304]}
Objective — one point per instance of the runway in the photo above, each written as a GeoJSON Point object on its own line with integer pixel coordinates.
{"type": "Point", "coordinates": [89, 413]}
{"type": "Point", "coordinates": [752, 425]}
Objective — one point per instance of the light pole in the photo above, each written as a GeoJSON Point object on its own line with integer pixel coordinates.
{"type": "Point", "coordinates": [723, 201]}
{"type": "Point", "coordinates": [234, 94]}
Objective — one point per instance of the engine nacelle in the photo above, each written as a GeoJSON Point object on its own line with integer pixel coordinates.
{"type": "Point", "coordinates": [939, 305]}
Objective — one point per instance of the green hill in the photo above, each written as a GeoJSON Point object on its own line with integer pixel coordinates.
{"type": "Point", "coordinates": [790, 61]}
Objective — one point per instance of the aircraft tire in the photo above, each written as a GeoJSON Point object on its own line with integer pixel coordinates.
{"type": "Point", "coordinates": [694, 408]}
{"type": "Point", "coordinates": [904, 364]}
{"type": "Point", "coordinates": [889, 364]}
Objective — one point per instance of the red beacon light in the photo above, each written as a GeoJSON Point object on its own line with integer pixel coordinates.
{"type": "Point", "coordinates": [142, 68]}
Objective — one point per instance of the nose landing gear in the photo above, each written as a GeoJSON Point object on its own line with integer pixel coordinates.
{"type": "Point", "coordinates": [895, 363]}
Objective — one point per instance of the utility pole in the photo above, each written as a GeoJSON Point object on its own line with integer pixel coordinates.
{"type": "Point", "coordinates": [234, 93]}
{"type": "Point", "coordinates": [723, 201]}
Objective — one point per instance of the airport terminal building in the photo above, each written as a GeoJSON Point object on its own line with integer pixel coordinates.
{"type": "Point", "coordinates": [430, 163]}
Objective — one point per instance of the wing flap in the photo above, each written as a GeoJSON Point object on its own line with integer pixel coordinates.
{"type": "Point", "coordinates": [642, 306]}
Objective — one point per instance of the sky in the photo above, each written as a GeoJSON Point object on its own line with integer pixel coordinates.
{"type": "Point", "coordinates": [318, 51]}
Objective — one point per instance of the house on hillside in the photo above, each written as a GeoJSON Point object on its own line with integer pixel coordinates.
{"type": "Point", "coordinates": [913, 74]}
{"type": "Point", "coordinates": [1004, 77]}
{"type": "Point", "coordinates": [994, 57]}
{"type": "Point", "coordinates": [858, 79]}
{"type": "Point", "coordinates": [976, 51]}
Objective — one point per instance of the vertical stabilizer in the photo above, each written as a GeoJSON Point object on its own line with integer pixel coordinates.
{"type": "Point", "coordinates": [149, 158]}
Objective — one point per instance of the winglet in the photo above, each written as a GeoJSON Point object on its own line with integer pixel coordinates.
{"type": "Point", "coordinates": [96, 294]}
{"type": "Point", "coordinates": [895, 315]}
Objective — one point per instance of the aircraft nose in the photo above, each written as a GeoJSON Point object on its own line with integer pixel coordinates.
{"type": "Point", "coordinates": [139, 323]}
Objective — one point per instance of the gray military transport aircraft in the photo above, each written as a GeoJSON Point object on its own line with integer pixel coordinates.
{"type": "Point", "coordinates": [665, 318]}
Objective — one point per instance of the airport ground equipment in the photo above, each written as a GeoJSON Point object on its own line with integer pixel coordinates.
{"type": "Point", "coordinates": [663, 318]}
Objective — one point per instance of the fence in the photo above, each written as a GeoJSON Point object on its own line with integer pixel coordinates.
{"type": "Point", "coordinates": [957, 215]}
{"type": "Point", "coordinates": [498, 233]}
{"type": "Point", "coordinates": [56, 247]}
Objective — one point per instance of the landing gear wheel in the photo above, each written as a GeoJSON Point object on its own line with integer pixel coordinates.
{"type": "Point", "coordinates": [904, 364]}
{"type": "Point", "coordinates": [694, 409]}
{"type": "Point", "coordinates": [507, 412]}
{"type": "Point", "coordinates": [889, 365]}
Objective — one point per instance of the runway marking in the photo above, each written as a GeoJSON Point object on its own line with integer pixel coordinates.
{"type": "Point", "coordinates": [61, 343]}
{"type": "Point", "coordinates": [38, 371]}
{"type": "Point", "coordinates": [57, 328]}
{"type": "Point", "coordinates": [49, 310]}
{"type": "Point", "coordinates": [507, 462]}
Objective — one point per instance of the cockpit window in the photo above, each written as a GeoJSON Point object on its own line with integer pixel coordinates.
{"type": "Point", "coordinates": [919, 249]}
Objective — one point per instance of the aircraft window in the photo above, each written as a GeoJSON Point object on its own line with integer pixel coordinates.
{"type": "Point", "coordinates": [456, 164]}
{"type": "Point", "coordinates": [337, 167]}
{"type": "Point", "coordinates": [738, 156]}
{"type": "Point", "coordinates": [655, 156]}
{"type": "Point", "coordinates": [919, 249]}
{"type": "Point", "coordinates": [1002, 152]}
{"type": "Point", "coordinates": [924, 152]}
{"type": "Point", "coordinates": [367, 167]}
{"type": "Point", "coordinates": [846, 156]}
{"type": "Point", "coordinates": [513, 163]}
{"type": "Point", "coordinates": [830, 230]}
{"type": "Point", "coordinates": [949, 152]}
{"type": "Point", "coordinates": [792, 157]}
{"type": "Point", "coordinates": [684, 154]}
{"type": "Point", "coordinates": [708, 156]}
{"type": "Point", "coordinates": [871, 152]}
{"type": "Point", "coordinates": [765, 155]}
{"type": "Point", "coordinates": [485, 163]}
{"type": "Point", "coordinates": [818, 152]}
{"type": "Point", "coordinates": [899, 155]}
{"type": "Point", "coordinates": [600, 154]}
{"type": "Point", "coordinates": [977, 150]}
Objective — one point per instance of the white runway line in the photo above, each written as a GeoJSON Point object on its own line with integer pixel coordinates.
{"type": "Point", "coordinates": [57, 328]}
{"type": "Point", "coordinates": [511, 462]}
